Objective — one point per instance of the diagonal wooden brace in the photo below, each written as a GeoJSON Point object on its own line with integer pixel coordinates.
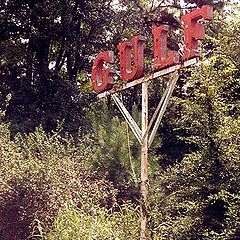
{"type": "Point", "coordinates": [157, 109]}
{"type": "Point", "coordinates": [173, 80]}
{"type": "Point", "coordinates": [133, 125]}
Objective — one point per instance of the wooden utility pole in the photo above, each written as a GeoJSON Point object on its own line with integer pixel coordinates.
{"type": "Point", "coordinates": [144, 162]}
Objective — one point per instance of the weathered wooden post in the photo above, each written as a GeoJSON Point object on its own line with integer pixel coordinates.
{"type": "Point", "coordinates": [144, 162]}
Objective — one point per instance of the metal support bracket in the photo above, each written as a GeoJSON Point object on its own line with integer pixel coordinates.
{"type": "Point", "coordinates": [158, 114]}
{"type": "Point", "coordinates": [133, 125]}
{"type": "Point", "coordinates": [163, 102]}
{"type": "Point", "coordinates": [157, 109]}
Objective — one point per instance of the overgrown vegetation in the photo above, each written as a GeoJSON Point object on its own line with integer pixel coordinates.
{"type": "Point", "coordinates": [100, 223]}
{"type": "Point", "coordinates": [39, 175]}
{"type": "Point", "coordinates": [69, 165]}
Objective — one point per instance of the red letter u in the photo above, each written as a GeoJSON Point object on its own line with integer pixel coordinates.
{"type": "Point", "coordinates": [127, 71]}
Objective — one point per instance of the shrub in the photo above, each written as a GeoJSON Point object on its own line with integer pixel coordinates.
{"type": "Point", "coordinates": [38, 174]}
{"type": "Point", "coordinates": [73, 223]}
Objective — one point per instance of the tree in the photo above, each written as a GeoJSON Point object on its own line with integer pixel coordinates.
{"type": "Point", "coordinates": [46, 48]}
{"type": "Point", "coordinates": [198, 193]}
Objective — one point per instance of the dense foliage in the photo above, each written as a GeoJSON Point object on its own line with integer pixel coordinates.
{"type": "Point", "coordinates": [39, 175]}
{"type": "Point", "coordinates": [69, 164]}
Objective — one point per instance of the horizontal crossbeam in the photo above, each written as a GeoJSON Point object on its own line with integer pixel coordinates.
{"type": "Point", "coordinates": [148, 78]}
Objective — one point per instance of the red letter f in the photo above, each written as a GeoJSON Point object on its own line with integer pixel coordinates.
{"type": "Point", "coordinates": [194, 31]}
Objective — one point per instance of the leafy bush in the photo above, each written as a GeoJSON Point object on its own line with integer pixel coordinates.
{"type": "Point", "coordinates": [74, 223]}
{"type": "Point", "coordinates": [39, 174]}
